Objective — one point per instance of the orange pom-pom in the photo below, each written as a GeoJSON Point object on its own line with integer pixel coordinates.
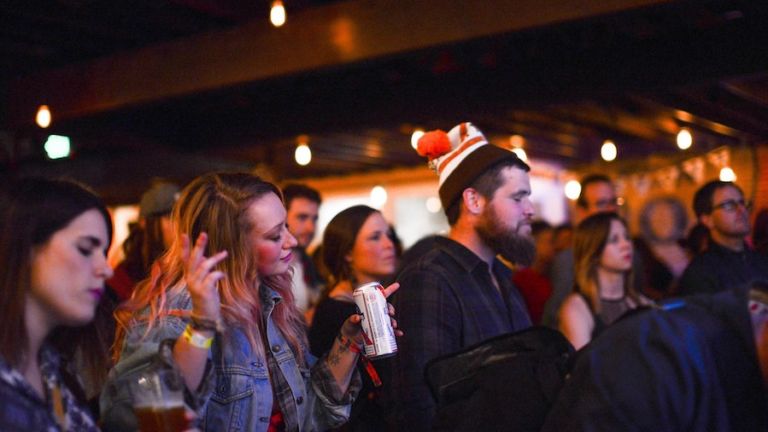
{"type": "Point", "coordinates": [434, 144]}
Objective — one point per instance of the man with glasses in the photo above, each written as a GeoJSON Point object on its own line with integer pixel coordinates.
{"type": "Point", "coordinates": [728, 262]}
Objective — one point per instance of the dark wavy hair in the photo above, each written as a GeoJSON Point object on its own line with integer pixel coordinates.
{"type": "Point", "coordinates": [339, 240]}
{"type": "Point", "coordinates": [32, 210]}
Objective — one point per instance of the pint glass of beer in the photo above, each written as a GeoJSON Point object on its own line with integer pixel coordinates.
{"type": "Point", "coordinates": [158, 401]}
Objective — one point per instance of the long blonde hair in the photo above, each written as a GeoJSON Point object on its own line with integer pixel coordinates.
{"type": "Point", "coordinates": [589, 240]}
{"type": "Point", "coordinates": [217, 203]}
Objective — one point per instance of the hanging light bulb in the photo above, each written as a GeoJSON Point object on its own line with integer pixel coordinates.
{"type": "Point", "coordinates": [303, 153]}
{"type": "Point", "coordinates": [43, 117]}
{"type": "Point", "coordinates": [727, 175]}
{"type": "Point", "coordinates": [378, 197]}
{"type": "Point", "coordinates": [277, 13]}
{"type": "Point", "coordinates": [572, 189]}
{"type": "Point", "coordinates": [684, 139]}
{"type": "Point", "coordinates": [516, 142]}
{"type": "Point", "coordinates": [608, 151]}
{"type": "Point", "coordinates": [417, 134]}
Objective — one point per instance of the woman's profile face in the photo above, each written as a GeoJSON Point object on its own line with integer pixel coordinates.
{"type": "Point", "coordinates": [270, 239]}
{"type": "Point", "coordinates": [373, 255]}
{"type": "Point", "coordinates": [617, 252]}
{"type": "Point", "coordinates": [68, 272]}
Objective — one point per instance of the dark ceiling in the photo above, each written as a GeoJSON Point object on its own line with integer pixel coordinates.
{"type": "Point", "coordinates": [565, 75]}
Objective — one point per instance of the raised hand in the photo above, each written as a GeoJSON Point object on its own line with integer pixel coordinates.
{"type": "Point", "coordinates": [201, 278]}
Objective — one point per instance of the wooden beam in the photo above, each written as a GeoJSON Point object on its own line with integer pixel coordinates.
{"type": "Point", "coordinates": [319, 38]}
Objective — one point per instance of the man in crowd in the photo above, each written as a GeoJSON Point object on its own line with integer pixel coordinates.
{"type": "Point", "coordinates": [459, 293]}
{"type": "Point", "coordinates": [598, 194]}
{"type": "Point", "coordinates": [728, 261]}
{"type": "Point", "coordinates": [302, 204]}
{"type": "Point", "coordinates": [700, 364]}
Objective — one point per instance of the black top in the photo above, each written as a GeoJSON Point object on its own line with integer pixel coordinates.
{"type": "Point", "coordinates": [720, 268]}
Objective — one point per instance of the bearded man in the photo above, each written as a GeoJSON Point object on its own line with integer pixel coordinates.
{"type": "Point", "coordinates": [460, 293]}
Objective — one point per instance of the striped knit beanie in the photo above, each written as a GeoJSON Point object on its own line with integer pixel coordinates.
{"type": "Point", "coordinates": [460, 156]}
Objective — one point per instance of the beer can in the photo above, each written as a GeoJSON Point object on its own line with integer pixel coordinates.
{"type": "Point", "coordinates": [378, 333]}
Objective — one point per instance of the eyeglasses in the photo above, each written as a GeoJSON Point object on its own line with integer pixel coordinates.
{"type": "Point", "coordinates": [604, 204]}
{"type": "Point", "coordinates": [732, 205]}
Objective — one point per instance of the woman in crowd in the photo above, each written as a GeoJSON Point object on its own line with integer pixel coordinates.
{"type": "Point", "coordinates": [225, 302]}
{"type": "Point", "coordinates": [357, 249]}
{"type": "Point", "coordinates": [663, 223]}
{"type": "Point", "coordinates": [148, 239]}
{"type": "Point", "coordinates": [54, 236]}
{"type": "Point", "coordinates": [602, 252]}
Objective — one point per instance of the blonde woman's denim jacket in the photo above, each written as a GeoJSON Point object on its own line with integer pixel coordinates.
{"type": "Point", "coordinates": [236, 393]}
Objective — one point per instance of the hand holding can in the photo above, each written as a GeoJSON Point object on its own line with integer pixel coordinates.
{"type": "Point", "coordinates": [377, 326]}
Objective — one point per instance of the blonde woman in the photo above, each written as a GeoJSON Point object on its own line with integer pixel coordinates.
{"type": "Point", "coordinates": [226, 304]}
{"type": "Point", "coordinates": [602, 252]}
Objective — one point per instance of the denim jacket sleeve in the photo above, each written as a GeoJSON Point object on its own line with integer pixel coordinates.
{"type": "Point", "coordinates": [329, 407]}
{"type": "Point", "coordinates": [139, 352]}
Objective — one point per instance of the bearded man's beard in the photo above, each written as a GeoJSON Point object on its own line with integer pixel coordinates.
{"type": "Point", "coordinates": [517, 248]}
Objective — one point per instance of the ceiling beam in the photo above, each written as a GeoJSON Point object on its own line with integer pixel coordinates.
{"type": "Point", "coordinates": [317, 38]}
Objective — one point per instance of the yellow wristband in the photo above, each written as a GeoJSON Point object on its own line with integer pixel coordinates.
{"type": "Point", "coordinates": [197, 339]}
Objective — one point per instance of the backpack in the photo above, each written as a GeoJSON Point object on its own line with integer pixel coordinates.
{"type": "Point", "coordinates": [508, 382]}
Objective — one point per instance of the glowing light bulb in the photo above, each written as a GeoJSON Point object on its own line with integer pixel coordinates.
{"type": "Point", "coordinates": [433, 204]}
{"type": "Point", "coordinates": [417, 134]}
{"type": "Point", "coordinates": [303, 154]}
{"type": "Point", "coordinates": [378, 197]}
{"type": "Point", "coordinates": [43, 117]}
{"type": "Point", "coordinates": [684, 139]}
{"type": "Point", "coordinates": [727, 175]}
{"type": "Point", "coordinates": [608, 151]}
{"type": "Point", "coordinates": [572, 189]}
{"type": "Point", "coordinates": [277, 13]}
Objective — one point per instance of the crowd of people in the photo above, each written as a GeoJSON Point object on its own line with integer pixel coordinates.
{"type": "Point", "coordinates": [670, 328]}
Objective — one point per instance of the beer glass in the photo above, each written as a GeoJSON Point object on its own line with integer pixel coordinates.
{"type": "Point", "coordinates": [158, 401]}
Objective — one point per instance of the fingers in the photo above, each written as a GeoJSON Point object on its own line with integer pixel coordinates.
{"type": "Point", "coordinates": [388, 291]}
{"type": "Point", "coordinates": [197, 252]}
{"type": "Point", "coordinates": [351, 326]}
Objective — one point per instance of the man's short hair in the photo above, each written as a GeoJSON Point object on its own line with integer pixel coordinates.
{"type": "Point", "coordinates": [702, 199]}
{"type": "Point", "coordinates": [486, 185]}
{"type": "Point", "coordinates": [589, 179]}
{"type": "Point", "coordinates": [298, 190]}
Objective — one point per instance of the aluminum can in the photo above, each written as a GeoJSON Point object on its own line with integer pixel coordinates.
{"type": "Point", "coordinates": [378, 333]}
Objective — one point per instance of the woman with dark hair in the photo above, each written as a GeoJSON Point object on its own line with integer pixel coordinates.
{"type": "Point", "coordinates": [357, 249]}
{"type": "Point", "coordinates": [54, 236]}
{"type": "Point", "coordinates": [663, 222]}
{"type": "Point", "coordinates": [226, 305]}
{"type": "Point", "coordinates": [602, 253]}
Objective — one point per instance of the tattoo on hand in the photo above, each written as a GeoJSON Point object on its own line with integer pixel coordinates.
{"type": "Point", "coordinates": [334, 358]}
